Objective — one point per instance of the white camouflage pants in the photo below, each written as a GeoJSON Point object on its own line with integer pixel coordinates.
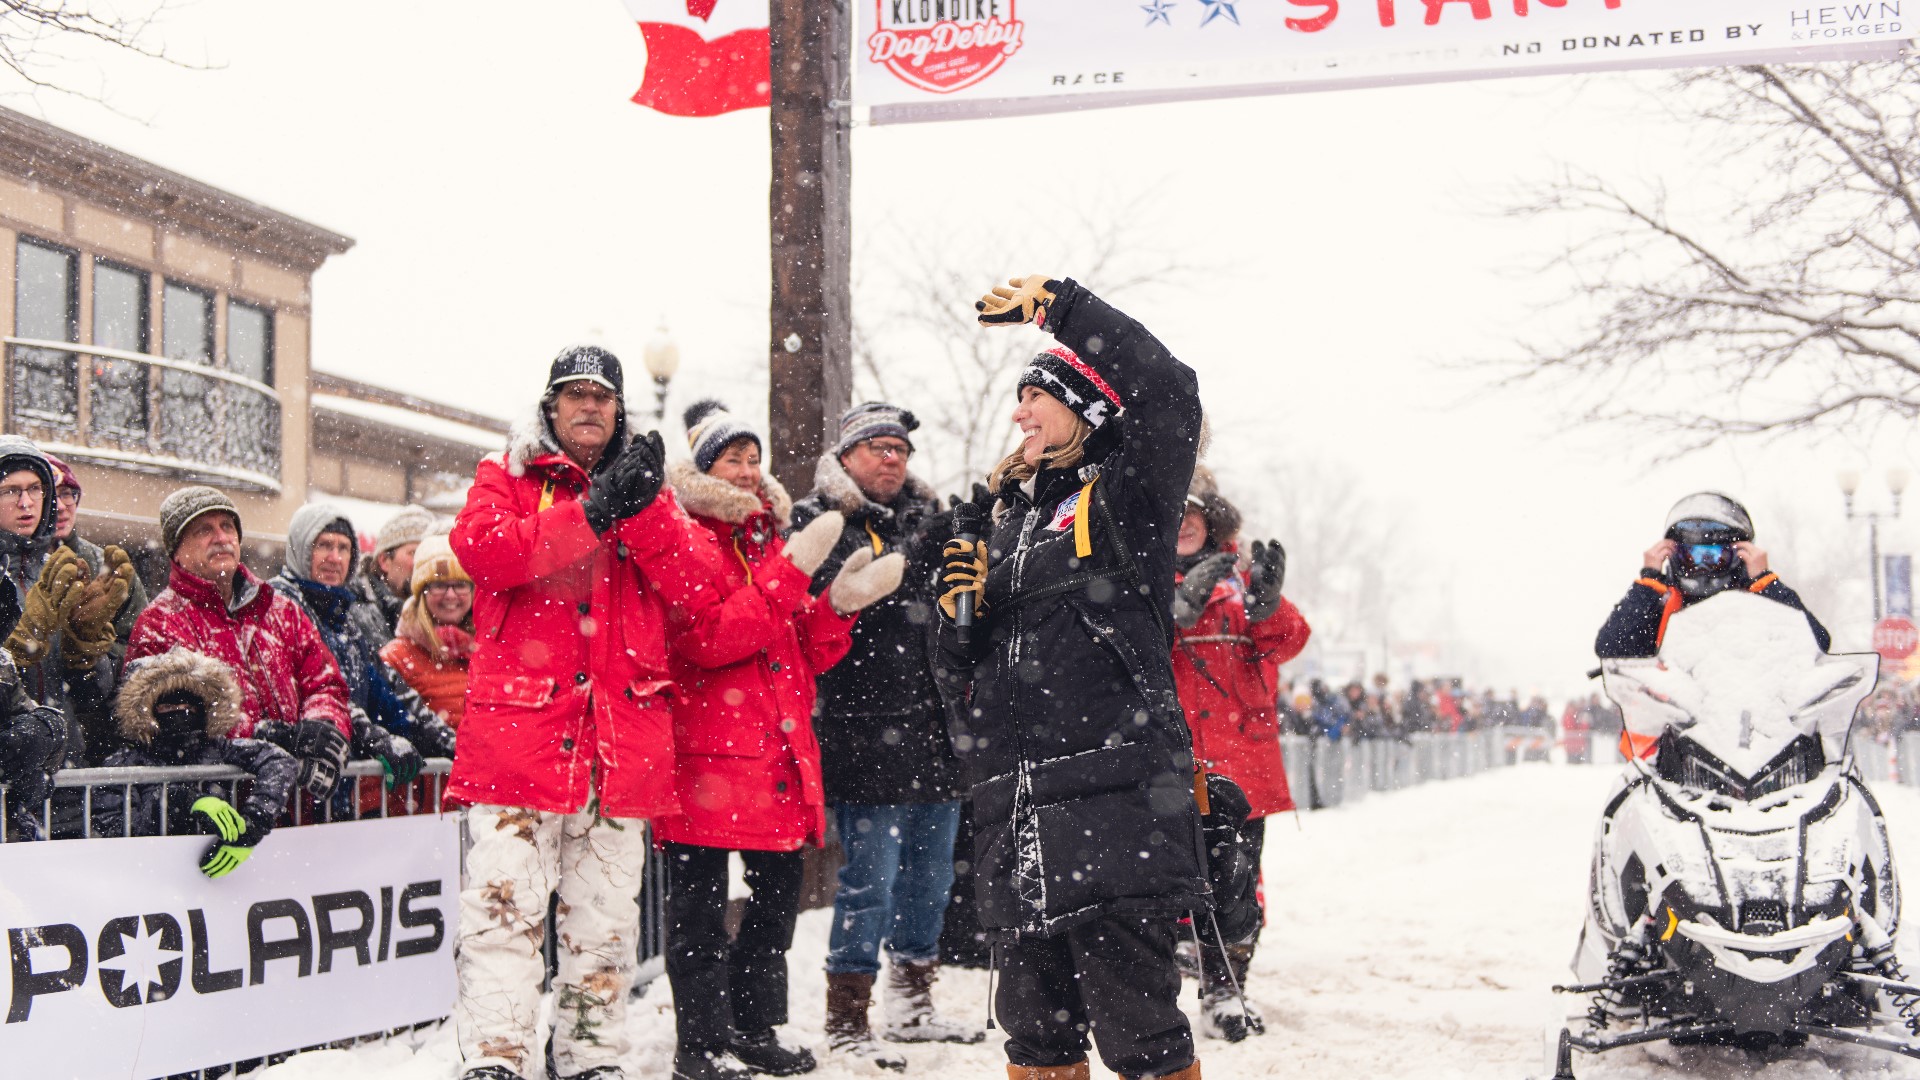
{"type": "Point", "coordinates": [518, 857]}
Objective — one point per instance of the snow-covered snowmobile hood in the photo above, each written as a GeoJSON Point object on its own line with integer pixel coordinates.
{"type": "Point", "coordinates": [1742, 676]}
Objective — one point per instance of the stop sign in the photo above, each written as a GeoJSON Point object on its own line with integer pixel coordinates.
{"type": "Point", "coordinates": [1895, 637]}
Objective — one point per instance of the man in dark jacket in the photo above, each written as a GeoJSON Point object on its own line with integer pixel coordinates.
{"type": "Point", "coordinates": [1087, 843]}
{"type": "Point", "coordinates": [381, 584]}
{"type": "Point", "coordinates": [892, 781]}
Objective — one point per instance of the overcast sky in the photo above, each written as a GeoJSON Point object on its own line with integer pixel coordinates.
{"type": "Point", "coordinates": [507, 199]}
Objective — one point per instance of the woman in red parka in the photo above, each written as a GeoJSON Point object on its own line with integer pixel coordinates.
{"type": "Point", "coordinates": [747, 766]}
{"type": "Point", "coordinates": [1232, 634]}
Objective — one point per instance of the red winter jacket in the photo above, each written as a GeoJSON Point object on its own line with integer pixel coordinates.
{"type": "Point", "coordinates": [568, 687]}
{"type": "Point", "coordinates": [1227, 673]}
{"type": "Point", "coordinates": [748, 766]}
{"type": "Point", "coordinates": [286, 671]}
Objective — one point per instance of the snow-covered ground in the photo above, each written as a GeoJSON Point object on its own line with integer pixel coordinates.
{"type": "Point", "coordinates": [1411, 935]}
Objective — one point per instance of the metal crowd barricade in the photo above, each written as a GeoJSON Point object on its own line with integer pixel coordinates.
{"type": "Point", "coordinates": [1874, 759]}
{"type": "Point", "coordinates": [1908, 745]}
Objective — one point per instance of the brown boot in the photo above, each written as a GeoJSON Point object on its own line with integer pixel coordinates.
{"type": "Point", "coordinates": [1191, 1072]}
{"type": "Point", "coordinates": [910, 1013]}
{"type": "Point", "coordinates": [848, 1037]}
{"type": "Point", "coordinates": [1076, 1071]}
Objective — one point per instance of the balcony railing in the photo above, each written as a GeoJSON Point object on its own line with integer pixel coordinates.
{"type": "Point", "coordinates": [144, 412]}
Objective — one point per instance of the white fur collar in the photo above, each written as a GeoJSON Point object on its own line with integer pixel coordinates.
{"type": "Point", "coordinates": [837, 489]}
{"type": "Point", "coordinates": [708, 497]}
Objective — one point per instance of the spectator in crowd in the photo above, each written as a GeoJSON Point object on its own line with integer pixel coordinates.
{"type": "Point", "coordinates": [33, 743]}
{"type": "Point", "coordinates": [291, 690]}
{"type": "Point", "coordinates": [748, 767]}
{"type": "Point", "coordinates": [68, 493]}
{"type": "Point", "coordinates": [1232, 634]}
{"type": "Point", "coordinates": [180, 708]}
{"type": "Point", "coordinates": [1417, 713]}
{"type": "Point", "coordinates": [381, 585]}
{"type": "Point", "coordinates": [1086, 838]}
{"type": "Point", "coordinates": [891, 776]}
{"type": "Point", "coordinates": [433, 640]}
{"type": "Point", "coordinates": [1576, 732]}
{"type": "Point", "coordinates": [64, 638]}
{"type": "Point", "coordinates": [578, 559]}
{"type": "Point", "coordinates": [390, 725]}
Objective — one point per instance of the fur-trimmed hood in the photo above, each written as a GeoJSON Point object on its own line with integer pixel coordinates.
{"type": "Point", "coordinates": [147, 680]}
{"type": "Point", "coordinates": [837, 491]}
{"type": "Point", "coordinates": [710, 497]}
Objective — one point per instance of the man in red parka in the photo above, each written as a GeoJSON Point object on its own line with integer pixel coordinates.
{"type": "Point", "coordinates": [578, 559]}
{"type": "Point", "coordinates": [1232, 635]}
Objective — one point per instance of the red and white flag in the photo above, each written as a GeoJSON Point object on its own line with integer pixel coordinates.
{"type": "Point", "coordinates": [704, 57]}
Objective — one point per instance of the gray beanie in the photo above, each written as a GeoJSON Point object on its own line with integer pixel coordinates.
{"type": "Point", "coordinates": [410, 526]}
{"type": "Point", "coordinates": [181, 507]}
{"type": "Point", "coordinates": [711, 429]}
{"type": "Point", "coordinates": [306, 526]}
{"type": "Point", "coordinates": [871, 420]}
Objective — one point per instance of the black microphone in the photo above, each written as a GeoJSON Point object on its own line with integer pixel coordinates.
{"type": "Point", "coordinates": [968, 522]}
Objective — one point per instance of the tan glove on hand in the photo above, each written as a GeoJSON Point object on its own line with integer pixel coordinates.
{"type": "Point", "coordinates": [47, 606]}
{"type": "Point", "coordinates": [864, 579]}
{"type": "Point", "coordinates": [809, 547]}
{"type": "Point", "coordinates": [90, 631]}
{"type": "Point", "coordinates": [1021, 300]}
{"type": "Point", "coordinates": [965, 571]}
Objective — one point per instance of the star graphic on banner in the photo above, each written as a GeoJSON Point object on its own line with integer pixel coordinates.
{"type": "Point", "coordinates": [1157, 12]}
{"type": "Point", "coordinates": [1217, 8]}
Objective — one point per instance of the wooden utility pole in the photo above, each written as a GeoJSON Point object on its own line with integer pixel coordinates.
{"type": "Point", "coordinates": [811, 351]}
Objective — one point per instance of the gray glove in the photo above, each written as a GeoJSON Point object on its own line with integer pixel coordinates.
{"type": "Point", "coordinates": [1264, 580]}
{"type": "Point", "coordinates": [864, 579]}
{"type": "Point", "coordinates": [1190, 598]}
{"type": "Point", "coordinates": [807, 548]}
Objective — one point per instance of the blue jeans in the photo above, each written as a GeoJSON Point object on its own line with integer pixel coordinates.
{"type": "Point", "coordinates": [894, 885]}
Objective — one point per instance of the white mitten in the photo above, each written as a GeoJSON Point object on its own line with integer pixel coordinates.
{"type": "Point", "coordinates": [809, 547]}
{"type": "Point", "coordinates": [865, 579]}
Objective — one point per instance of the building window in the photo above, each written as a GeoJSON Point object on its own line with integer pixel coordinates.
{"type": "Point", "coordinates": [188, 324]}
{"type": "Point", "coordinates": [250, 341]}
{"type": "Point", "coordinates": [117, 396]}
{"type": "Point", "coordinates": [189, 425]}
{"type": "Point", "coordinates": [43, 384]}
{"type": "Point", "coordinates": [253, 418]}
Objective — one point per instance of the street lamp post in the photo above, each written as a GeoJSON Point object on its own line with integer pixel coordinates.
{"type": "Point", "coordinates": [662, 358]}
{"type": "Point", "coordinates": [1897, 484]}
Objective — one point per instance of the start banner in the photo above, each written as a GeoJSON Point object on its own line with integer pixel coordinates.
{"type": "Point", "coordinates": [124, 960]}
{"type": "Point", "coordinates": [960, 59]}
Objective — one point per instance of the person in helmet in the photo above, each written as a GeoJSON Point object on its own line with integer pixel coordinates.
{"type": "Point", "coordinates": [1707, 549]}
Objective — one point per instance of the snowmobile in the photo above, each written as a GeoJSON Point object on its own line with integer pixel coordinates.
{"type": "Point", "coordinates": [1742, 891]}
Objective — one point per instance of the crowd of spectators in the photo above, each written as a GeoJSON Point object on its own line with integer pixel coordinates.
{"type": "Point", "coordinates": [1375, 709]}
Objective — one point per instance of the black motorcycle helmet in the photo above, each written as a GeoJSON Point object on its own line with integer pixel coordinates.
{"type": "Point", "coordinates": [1706, 525]}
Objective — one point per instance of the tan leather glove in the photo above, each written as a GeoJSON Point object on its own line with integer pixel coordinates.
{"type": "Point", "coordinates": [809, 547]}
{"type": "Point", "coordinates": [48, 605]}
{"type": "Point", "coordinates": [863, 579]}
{"type": "Point", "coordinates": [90, 631]}
{"type": "Point", "coordinates": [1021, 300]}
{"type": "Point", "coordinates": [965, 571]}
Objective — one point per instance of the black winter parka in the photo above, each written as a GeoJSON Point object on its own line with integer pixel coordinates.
{"type": "Point", "coordinates": [1078, 752]}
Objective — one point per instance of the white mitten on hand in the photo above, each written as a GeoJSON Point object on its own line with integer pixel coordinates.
{"type": "Point", "coordinates": [865, 579]}
{"type": "Point", "coordinates": [809, 547]}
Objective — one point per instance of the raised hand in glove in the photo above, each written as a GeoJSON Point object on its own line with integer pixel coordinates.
{"type": "Point", "coordinates": [237, 836]}
{"type": "Point", "coordinates": [316, 745]}
{"type": "Point", "coordinates": [628, 485]}
{"type": "Point", "coordinates": [1190, 598]}
{"type": "Point", "coordinates": [864, 579]}
{"type": "Point", "coordinates": [48, 606]}
{"type": "Point", "coordinates": [964, 571]}
{"type": "Point", "coordinates": [90, 630]}
{"type": "Point", "coordinates": [1264, 579]}
{"type": "Point", "coordinates": [1020, 300]}
{"type": "Point", "coordinates": [807, 548]}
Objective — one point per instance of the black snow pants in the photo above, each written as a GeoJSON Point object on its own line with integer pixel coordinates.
{"type": "Point", "coordinates": [721, 986]}
{"type": "Point", "coordinates": [1114, 976]}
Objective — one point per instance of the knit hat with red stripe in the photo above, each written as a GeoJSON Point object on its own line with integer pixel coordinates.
{"type": "Point", "coordinates": [1080, 388]}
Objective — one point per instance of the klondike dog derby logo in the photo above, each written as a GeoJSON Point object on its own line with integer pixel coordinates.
{"type": "Point", "coordinates": [944, 45]}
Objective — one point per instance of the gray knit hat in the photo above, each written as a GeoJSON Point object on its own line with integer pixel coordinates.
{"type": "Point", "coordinates": [410, 526]}
{"type": "Point", "coordinates": [181, 507]}
{"type": "Point", "coordinates": [871, 420]}
{"type": "Point", "coordinates": [711, 429]}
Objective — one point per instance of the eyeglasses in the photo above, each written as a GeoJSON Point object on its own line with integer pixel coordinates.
{"type": "Point", "coordinates": [32, 493]}
{"type": "Point", "coordinates": [67, 496]}
{"type": "Point", "coordinates": [448, 586]}
{"type": "Point", "coordinates": [888, 451]}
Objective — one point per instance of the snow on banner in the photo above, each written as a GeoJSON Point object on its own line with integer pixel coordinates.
{"type": "Point", "coordinates": [123, 960]}
{"type": "Point", "coordinates": [704, 57]}
{"type": "Point", "coordinates": [962, 59]}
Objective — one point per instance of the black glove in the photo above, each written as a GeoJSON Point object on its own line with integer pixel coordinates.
{"type": "Point", "coordinates": [395, 753]}
{"type": "Point", "coordinates": [1190, 596]}
{"type": "Point", "coordinates": [1264, 580]}
{"type": "Point", "coordinates": [316, 744]}
{"type": "Point", "coordinates": [628, 485]}
{"type": "Point", "coordinates": [33, 744]}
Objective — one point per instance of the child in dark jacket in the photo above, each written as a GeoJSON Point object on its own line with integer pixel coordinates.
{"type": "Point", "coordinates": [176, 708]}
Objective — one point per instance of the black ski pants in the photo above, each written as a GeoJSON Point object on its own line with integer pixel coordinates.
{"type": "Point", "coordinates": [721, 986]}
{"type": "Point", "coordinates": [1114, 976]}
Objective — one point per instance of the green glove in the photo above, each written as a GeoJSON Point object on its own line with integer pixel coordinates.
{"type": "Point", "coordinates": [237, 836]}
{"type": "Point", "coordinates": [224, 859]}
{"type": "Point", "coordinates": [227, 822]}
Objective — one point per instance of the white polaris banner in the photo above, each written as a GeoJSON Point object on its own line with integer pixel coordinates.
{"type": "Point", "coordinates": [124, 961]}
{"type": "Point", "coordinates": [958, 59]}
